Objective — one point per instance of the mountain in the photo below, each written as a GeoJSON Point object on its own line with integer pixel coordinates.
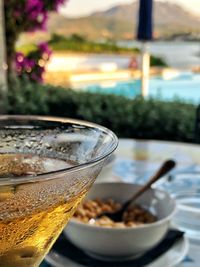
{"type": "Point", "coordinates": [121, 21]}
{"type": "Point", "coordinates": [91, 27]}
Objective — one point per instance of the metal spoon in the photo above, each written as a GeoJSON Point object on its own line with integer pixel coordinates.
{"type": "Point", "coordinates": [164, 169]}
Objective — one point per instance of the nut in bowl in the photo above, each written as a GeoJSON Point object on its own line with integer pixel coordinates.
{"type": "Point", "coordinates": [123, 241]}
{"type": "Point", "coordinates": [92, 212]}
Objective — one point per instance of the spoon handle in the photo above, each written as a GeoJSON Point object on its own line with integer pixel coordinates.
{"type": "Point", "coordinates": [165, 168]}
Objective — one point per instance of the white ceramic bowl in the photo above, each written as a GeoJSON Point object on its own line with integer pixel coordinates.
{"type": "Point", "coordinates": [123, 243]}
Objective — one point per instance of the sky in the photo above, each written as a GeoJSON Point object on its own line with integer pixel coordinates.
{"type": "Point", "coordinates": [75, 8]}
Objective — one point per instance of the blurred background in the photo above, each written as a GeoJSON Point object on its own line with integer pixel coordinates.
{"type": "Point", "coordinates": [84, 59]}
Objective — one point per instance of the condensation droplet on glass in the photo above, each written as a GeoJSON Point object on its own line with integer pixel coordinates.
{"type": "Point", "coordinates": [8, 138]}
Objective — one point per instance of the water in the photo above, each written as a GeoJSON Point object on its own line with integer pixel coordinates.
{"type": "Point", "coordinates": [181, 55]}
{"type": "Point", "coordinates": [178, 54]}
{"type": "Point", "coordinates": [184, 86]}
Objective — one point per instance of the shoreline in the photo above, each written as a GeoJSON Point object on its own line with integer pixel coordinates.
{"type": "Point", "coordinates": [77, 79]}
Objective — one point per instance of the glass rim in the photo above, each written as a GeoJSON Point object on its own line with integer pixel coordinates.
{"type": "Point", "coordinates": [48, 175]}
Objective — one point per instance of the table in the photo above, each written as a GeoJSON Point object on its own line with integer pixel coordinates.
{"type": "Point", "coordinates": [136, 160]}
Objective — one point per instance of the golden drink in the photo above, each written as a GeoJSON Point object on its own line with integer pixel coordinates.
{"type": "Point", "coordinates": [33, 214]}
{"type": "Point", "coordinates": [47, 165]}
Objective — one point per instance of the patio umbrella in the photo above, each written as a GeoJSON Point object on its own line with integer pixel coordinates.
{"type": "Point", "coordinates": [144, 34]}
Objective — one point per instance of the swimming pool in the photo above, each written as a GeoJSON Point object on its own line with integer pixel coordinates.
{"type": "Point", "coordinates": [184, 86]}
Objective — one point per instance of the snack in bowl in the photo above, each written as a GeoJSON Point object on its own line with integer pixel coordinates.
{"type": "Point", "coordinates": [122, 243]}
{"type": "Point", "coordinates": [134, 216]}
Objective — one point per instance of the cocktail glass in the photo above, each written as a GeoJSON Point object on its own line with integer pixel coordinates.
{"type": "Point", "coordinates": [47, 165]}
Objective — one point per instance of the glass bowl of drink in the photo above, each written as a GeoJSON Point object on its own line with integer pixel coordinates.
{"type": "Point", "coordinates": [47, 165]}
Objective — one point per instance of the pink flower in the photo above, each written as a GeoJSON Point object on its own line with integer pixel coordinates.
{"type": "Point", "coordinates": [31, 15]}
{"type": "Point", "coordinates": [35, 11]}
{"type": "Point", "coordinates": [30, 65]}
{"type": "Point", "coordinates": [44, 48]}
{"type": "Point", "coordinates": [58, 3]}
{"type": "Point", "coordinates": [34, 8]}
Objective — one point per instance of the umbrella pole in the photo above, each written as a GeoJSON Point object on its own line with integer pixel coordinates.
{"type": "Point", "coordinates": [145, 70]}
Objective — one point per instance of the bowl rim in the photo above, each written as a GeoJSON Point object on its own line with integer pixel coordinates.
{"type": "Point", "coordinates": [139, 227]}
{"type": "Point", "coordinates": [49, 175]}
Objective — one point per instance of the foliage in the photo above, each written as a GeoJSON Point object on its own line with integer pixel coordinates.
{"type": "Point", "coordinates": [29, 15]}
{"type": "Point", "coordinates": [22, 16]}
{"type": "Point", "coordinates": [138, 118]}
{"type": "Point", "coordinates": [25, 98]}
{"type": "Point", "coordinates": [77, 43]}
{"type": "Point", "coordinates": [157, 61]}
{"type": "Point", "coordinates": [33, 65]}
{"type": "Point", "coordinates": [26, 48]}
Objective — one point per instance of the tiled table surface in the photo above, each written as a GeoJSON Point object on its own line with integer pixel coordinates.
{"type": "Point", "coordinates": [136, 160]}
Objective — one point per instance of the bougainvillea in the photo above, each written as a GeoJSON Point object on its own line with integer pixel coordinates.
{"type": "Point", "coordinates": [33, 65]}
{"type": "Point", "coordinates": [29, 15]}
{"type": "Point", "coordinates": [26, 16]}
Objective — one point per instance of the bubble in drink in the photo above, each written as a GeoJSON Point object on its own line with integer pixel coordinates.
{"type": "Point", "coordinates": [32, 214]}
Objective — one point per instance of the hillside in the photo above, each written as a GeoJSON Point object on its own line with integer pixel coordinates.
{"type": "Point", "coordinates": [91, 27]}
{"type": "Point", "coordinates": [120, 22]}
